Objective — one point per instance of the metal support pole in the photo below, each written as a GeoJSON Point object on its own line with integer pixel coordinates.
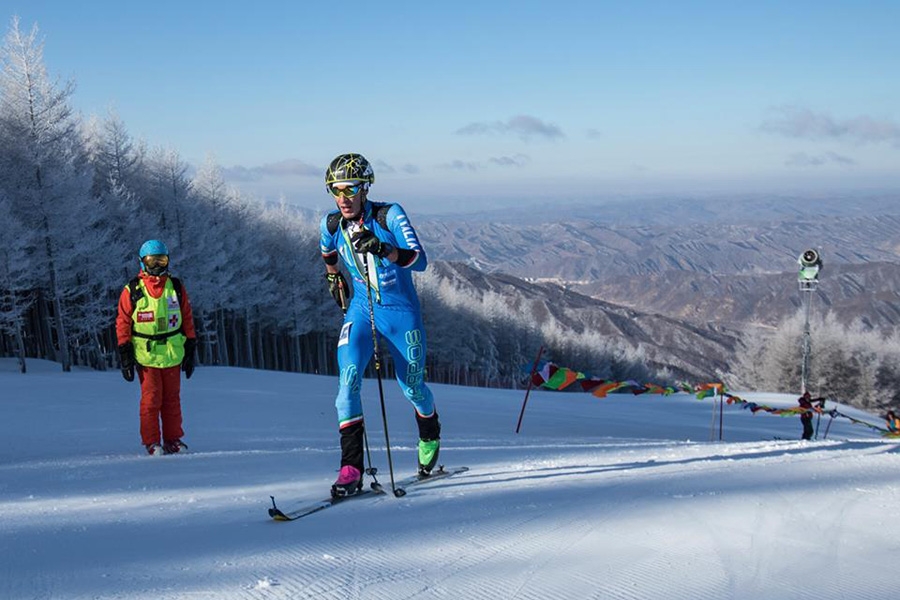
{"type": "Point", "coordinates": [810, 266]}
{"type": "Point", "coordinates": [807, 346]}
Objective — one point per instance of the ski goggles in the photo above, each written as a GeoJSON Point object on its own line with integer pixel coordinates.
{"type": "Point", "coordinates": [347, 191]}
{"type": "Point", "coordinates": [156, 261]}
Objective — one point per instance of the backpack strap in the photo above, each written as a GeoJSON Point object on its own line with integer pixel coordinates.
{"type": "Point", "coordinates": [179, 290]}
{"type": "Point", "coordinates": [333, 221]}
{"type": "Point", "coordinates": [137, 293]}
{"type": "Point", "coordinates": [380, 212]}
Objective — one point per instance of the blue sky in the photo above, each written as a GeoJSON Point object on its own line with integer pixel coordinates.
{"type": "Point", "coordinates": [486, 103]}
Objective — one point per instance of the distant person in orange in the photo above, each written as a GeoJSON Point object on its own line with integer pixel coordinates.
{"type": "Point", "coordinates": [155, 332]}
{"type": "Point", "coordinates": [893, 422]}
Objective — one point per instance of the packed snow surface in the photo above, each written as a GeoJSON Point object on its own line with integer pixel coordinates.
{"type": "Point", "coordinates": [624, 497]}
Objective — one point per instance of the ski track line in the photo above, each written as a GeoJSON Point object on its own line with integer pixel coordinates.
{"type": "Point", "coordinates": [467, 570]}
{"type": "Point", "coordinates": [342, 569]}
{"type": "Point", "coordinates": [506, 560]}
{"type": "Point", "coordinates": [740, 580]}
{"type": "Point", "coordinates": [832, 519]}
{"type": "Point", "coordinates": [649, 562]}
{"type": "Point", "coordinates": [509, 559]}
{"type": "Point", "coordinates": [770, 529]}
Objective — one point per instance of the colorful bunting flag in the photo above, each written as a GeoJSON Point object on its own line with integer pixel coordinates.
{"type": "Point", "coordinates": [554, 377]}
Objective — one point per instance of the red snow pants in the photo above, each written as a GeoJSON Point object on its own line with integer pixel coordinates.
{"type": "Point", "coordinates": [160, 401]}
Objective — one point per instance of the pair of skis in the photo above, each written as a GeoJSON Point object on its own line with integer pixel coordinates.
{"type": "Point", "coordinates": [376, 490]}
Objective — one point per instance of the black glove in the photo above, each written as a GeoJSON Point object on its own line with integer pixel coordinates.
{"type": "Point", "coordinates": [126, 358]}
{"type": "Point", "coordinates": [337, 285]}
{"type": "Point", "coordinates": [187, 363]}
{"type": "Point", "coordinates": [366, 241]}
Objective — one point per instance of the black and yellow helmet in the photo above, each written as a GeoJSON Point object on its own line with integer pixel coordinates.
{"type": "Point", "coordinates": [349, 167]}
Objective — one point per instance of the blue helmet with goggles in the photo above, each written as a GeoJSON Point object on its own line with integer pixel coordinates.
{"type": "Point", "coordinates": [153, 247]}
{"type": "Point", "coordinates": [154, 257]}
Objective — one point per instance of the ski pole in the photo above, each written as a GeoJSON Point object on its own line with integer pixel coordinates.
{"type": "Point", "coordinates": [721, 411]}
{"type": "Point", "coordinates": [827, 429]}
{"type": "Point", "coordinates": [371, 470]}
{"type": "Point", "coordinates": [398, 492]}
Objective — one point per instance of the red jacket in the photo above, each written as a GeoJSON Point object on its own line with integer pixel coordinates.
{"type": "Point", "coordinates": [155, 286]}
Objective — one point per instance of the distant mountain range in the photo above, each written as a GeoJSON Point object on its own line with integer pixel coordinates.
{"type": "Point", "coordinates": [685, 273]}
{"type": "Point", "coordinates": [689, 350]}
{"type": "Point", "coordinates": [731, 263]}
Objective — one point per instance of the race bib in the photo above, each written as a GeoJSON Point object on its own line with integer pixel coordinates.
{"type": "Point", "coordinates": [344, 338]}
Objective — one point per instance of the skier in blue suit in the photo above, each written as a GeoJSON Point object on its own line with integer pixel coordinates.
{"type": "Point", "coordinates": [379, 249]}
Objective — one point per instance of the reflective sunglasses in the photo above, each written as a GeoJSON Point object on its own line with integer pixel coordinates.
{"type": "Point", "coordinates": [156, 261]}
{"type": "Point", "coordinates": [346, 192]}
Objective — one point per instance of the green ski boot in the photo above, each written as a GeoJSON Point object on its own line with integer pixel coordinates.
{"type": "Point", "coordinates": [428, 456]}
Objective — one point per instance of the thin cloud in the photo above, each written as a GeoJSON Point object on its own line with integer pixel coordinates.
{"type": "Point", "coordinates": [514, 161]}
{"type": "Point", "coordinates": [593, 134]}
{"type": "Point", "coordinates": [284, 168]}
{"type": "Point", "coordinates": [460, 165]}
{"type": "Point", "coordinates": [802, 123]}
{"type": "Point", "coordinates": [517, 160]}
{"type": "Point", "coordinates": [522, 126]}
{"type": "Point", "coordinates": [383, 167]}
{"type": "Point", "coordinates": [803, 160]}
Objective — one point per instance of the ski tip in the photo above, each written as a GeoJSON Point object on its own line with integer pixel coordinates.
{"type": "Point", "coordinates": [278, 515]}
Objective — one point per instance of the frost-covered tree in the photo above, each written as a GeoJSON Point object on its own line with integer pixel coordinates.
{"type": "Point", "coordinates": [771, 359]}
{"type": "Point", "coordinates": [44, 165]}
{"type": "Point", "coordinates": [15, 284]}
{"type": "Point", "coordinates": [165, 198]}
{"type": "Point", "coordinates": [301, 303]}
{"type": "Point", "coordinates": [848, 363]}
{"type": "Point", "coordinates": [116, 160]}
{"type": "Point", "coordinates": [215, 246]}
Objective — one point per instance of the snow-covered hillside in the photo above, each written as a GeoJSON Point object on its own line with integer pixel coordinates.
{"type": "Point", "coordinates": [624, 497]}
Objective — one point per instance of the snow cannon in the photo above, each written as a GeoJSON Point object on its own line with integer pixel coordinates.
{"type": "Point", "coordinates": [810, 264]}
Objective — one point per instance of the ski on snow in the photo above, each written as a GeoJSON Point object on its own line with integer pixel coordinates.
{"type": "Point", "coordinates": [376, 490]}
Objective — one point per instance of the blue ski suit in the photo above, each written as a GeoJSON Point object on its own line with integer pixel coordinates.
{"type": "Point", "coordinates": [395, 305]}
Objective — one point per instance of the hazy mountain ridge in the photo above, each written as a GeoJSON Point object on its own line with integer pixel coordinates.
{"type": "Point", "coordinates": [733, 273]}
{"type": "Point", "coordinates": [688, 349]}
{"type": "Point", "coordinates": [865, 291]}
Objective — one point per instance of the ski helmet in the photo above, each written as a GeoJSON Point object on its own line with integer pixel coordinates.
{"type": "Point", "coordinates": [154, 257]}
{"type": "Point", "coordinates": [153, 247]}
{"type": "Point", "coordinates": [349, 167]}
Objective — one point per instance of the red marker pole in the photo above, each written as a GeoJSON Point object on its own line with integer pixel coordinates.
{"type": "Point", "coordinates": [530, 384]}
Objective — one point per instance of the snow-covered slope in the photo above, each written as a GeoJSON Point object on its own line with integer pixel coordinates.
{"type": "Point", "coordinates": [618, 498]}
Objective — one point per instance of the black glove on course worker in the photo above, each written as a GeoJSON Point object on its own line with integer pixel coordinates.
{"type": "Point", "coordinates": [366, 241]}
{"type": "Point", "coordinates": [126, 358]}
{"type": "Point", "coordinates": [187, 364]}
{"type": "Point", "coordinates": [337, 285]}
